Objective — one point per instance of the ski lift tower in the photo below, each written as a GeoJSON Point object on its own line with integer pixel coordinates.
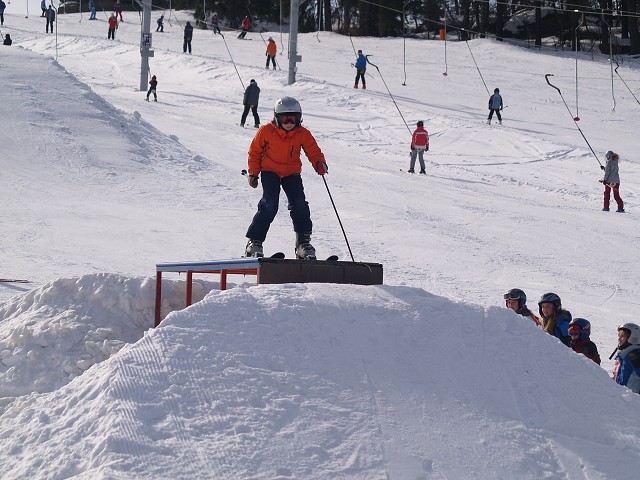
{"type": "Point", "coordinates": [146, 51]}
{"type": "Point", "coordinates": [293, 42]}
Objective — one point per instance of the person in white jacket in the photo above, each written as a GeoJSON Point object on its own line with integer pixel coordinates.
{"type": "Point", "coordinates": [611, 181]}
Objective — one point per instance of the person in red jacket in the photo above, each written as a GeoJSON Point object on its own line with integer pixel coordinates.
{"type": "Point", "coordinates": [246, 25]}
{"type": "Point", "coordinates": [419, 144]}
{"type": "Point", "coordinates": [113, 24]}
{"type": "Point", "coordinates": [579, 331]}
{"type": "Point", "coordinates": [274, 156]}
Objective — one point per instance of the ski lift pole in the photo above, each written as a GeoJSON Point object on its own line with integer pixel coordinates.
{"type": "Point", "coordinates": [577, 117]}
{"type": "Point", "coordinates": [446, 66]}
{"type": "Point", "coordinates": [625, 83]}
{"type": "Point", "coordinates": [393, 99]}
{"type": "Point", "coordinates": [234, 63]}
{"type": "Point", "coordinates": [610, 60]}
{"type": "Point", "coordinates": [477, 68]}
{"type": "Point", "coordinates": [546, 77]}
{"type": "Point", "coordinates": [339, 221]}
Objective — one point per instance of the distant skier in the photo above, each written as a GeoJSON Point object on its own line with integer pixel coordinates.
{"type": "Point", "coordinates": [153, 84]}
{"type": "Point", "coordinates": [92, 9]}
{"type": "Point", "coordinates": [516, 300]}
{"type": "Point", "coordinates": [51, 17]}
{"type": "Point", "coordinates": [579, 331]}
{"type": "Point", "coordinates": [419, 144]}
{"type": "Point", "coordinates": [495, 105]}
{"type": "Point", "coordinates": [2, 7]}
{"type": "Point", "coordinates": [555, 320]}
{"type": "Point", "coordinates": [117, 8]}
{"type": "Point", "coordinates": [113, 25]}
{"type": "Point", "coordinates": [7, 40]}
{"type": "Point", "coordinates": [43, 6]}
{"type": "Point", "coordinates": [215, 23]}
{"type": "Point", "coordinates": [361, 68]}
{"type": "Point", "coordinates": [246, 25]}
{"type": "Point", "coordinates": [188, 35]}
{"type": "Point", "coordinates": [611, 181]}
{"type": "Point", "coordinates": [274, 155]}
{"type": "Point", "coordinates": [626, 369]}
{"type": "Point", "coordinates": [250, 101]}
{"type": "Point", "coordinates": [272, 50]}
{"type": "Point", "coordinates": [160, 23]}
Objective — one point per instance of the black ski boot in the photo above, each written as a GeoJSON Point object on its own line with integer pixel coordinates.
{"type": "Point", "coordinates": [304, 249]}
{"type": "Point", "coordinates": [253, 249]}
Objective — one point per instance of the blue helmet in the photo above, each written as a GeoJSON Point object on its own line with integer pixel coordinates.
{"type": "Point", "coordinates": [550, 298]}
{"type": "Point", "coordinates": [580, 327]}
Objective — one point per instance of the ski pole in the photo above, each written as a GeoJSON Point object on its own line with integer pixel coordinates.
{"type": "Point", "coordinates": [339, 221]}
{"type": "Point", "coordinates": [613, 353]}
{"type": "Point", "coordinates": [546, 77]}
{"type": "Point", "coordinates": [385, 84]}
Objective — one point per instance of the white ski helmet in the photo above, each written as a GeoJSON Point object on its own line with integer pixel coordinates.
{"type": "Point", "coordinates": [634, 332]}
{"type": "Point", "coordinates": [287, 106]}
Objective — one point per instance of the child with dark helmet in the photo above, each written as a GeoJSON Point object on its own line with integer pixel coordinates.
{"type": "Point", "coordinates": [579, 331]}
{"type": "Point", "coordinates": [516, 300]}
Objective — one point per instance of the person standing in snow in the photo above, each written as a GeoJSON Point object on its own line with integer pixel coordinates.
{"type": "Point", "coordinates": [92, 9]}
{"type": "Point", "coordinates": [113, 25]}
{"type": "Point", "coordinates": [555, 320]}
{"type": "Point", "coordinates": [495, 105]}
{"type": "Point", "coordinates": [250, 101]}
{"type": "Point", "coordinates": [516, 300]}
{"type": "Point", "coordinates": [419, 144]}
{"type": "Point", "coordinates": [51, 17]}
{"type": "Point", "coordinates": [215, 24]}
{"type": "Point", "coordinates": [43, 6]}
{"type": "Point", "coordinates": [153, 84]}
{"type": "Point", "coordinates": [626, 368]}
{"type": "Point", "coordinates": [272, 50]}
{"type": "Point", "coordinates": [611, 181]}
{"type": "Point", "coordinates": [7, 40]}
{"type": "Point", "coordinates": [361, 68]}
{"type": "Point", "coordinates": [160, 23]}
{"type": "Point", "coordinates": [188, 35]}
{"type": "Point", "coordinates": [2, 7]}
{"type": "Point", "coordinates": [274, 156]}
{"type": "Point", "coordinates": [579, 331]}
{"type": "Point", "coordinates": [246, 25]}
{"type": "Point", "coordinates": [117, 8]}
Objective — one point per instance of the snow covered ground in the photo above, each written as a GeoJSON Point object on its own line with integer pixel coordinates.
{"type": "Point", "coordinates": [425, 377]}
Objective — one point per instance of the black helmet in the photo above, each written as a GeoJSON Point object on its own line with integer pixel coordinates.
{"type": "Point", "coordinates": [497, 90]}
{"type": "Point", "coordinates": [580, 327]}
{"type": "Point", "coordinates": [550, 298]}
{"type": "Point", "coordinates": [516, 294]}
{"type": "Point", "coordinates": [420, 123]}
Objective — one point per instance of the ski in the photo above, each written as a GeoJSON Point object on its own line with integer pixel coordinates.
{"type": "Point", "coordinates": [277, 255]}
{"type": "Point", "coordinates": [332, 258]}
{"type": "Point", "coordinates": [13, 280]}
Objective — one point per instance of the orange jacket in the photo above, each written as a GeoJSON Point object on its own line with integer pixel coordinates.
{"type": "Point", "coordinates": [276, 150]}
{"type": "Point", "coordinates": [272, 48]}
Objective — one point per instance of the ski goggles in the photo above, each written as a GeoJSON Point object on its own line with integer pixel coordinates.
{"type": "Point", "coordinates": [509, 297]}
{"type": "Point", "coordinates": [575, 330]}
{"type": "Point", "coordinates": [285, 118]}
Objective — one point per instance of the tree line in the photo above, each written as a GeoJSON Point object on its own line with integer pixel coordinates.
{"type": "Point", "coordinates": [585, 23]}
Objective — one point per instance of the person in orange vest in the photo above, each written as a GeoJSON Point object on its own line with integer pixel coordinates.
{"type": "Point", "coordinates": [113, 24]}
{"type": "Point", "coordinates": [274, 156]}
{"type": "Point", "coordinates": [419, 144]}
{"type": "Point", "coordinates": [272, 50]}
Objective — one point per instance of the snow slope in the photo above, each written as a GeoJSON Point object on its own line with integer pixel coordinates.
{"type": "Point", "coordinates": [425, 377]}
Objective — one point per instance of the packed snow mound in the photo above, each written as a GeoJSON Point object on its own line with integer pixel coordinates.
{"type": "Point", "coordinates": [54, 333]}
{"type": "Point", "coordinates": [323, 381]}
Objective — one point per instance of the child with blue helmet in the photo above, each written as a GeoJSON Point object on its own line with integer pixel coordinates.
{"type": "Point", "coordinates": [579, 331]}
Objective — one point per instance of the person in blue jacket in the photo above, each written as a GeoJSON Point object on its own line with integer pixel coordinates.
{"type": "Point", "coordinates": [495, 105]}
{"type": "Point", "coordinates": [626, 370]}
{"type": "Point", "coordinates": [555, 320]}
{"type": "Point", "coordinates": [43, 6]}
{"type": "Point", "coordinates": [361, 67]}
{"type": "Point", "coordinates": [92, 9]}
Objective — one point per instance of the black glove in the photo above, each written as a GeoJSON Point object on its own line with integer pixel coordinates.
{"type": "Point", "coordinates": [426, 148]}
{"type": "Point", "coordinates": [253, 181]}
{"type": "Point", "coordinates": [412, 148]}
{"type": "Point", "coordinates": [601, 167]}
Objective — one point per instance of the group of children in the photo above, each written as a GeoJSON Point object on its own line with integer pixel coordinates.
{"type": "Point", "coordinates": [576, 332]}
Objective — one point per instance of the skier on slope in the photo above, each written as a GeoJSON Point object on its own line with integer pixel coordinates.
{"type": "Point", "coordinates": [611, 181]}
{"type": "Point", "coordinates": [250, 102]}
{"type": "Point", "coordinates": [246, 25]}
{"type": "Point", "coordinates": [153, 84]}
{"type": "Point", "coordinates": [274, 155]}
{"type": "Point", "coordinates": [516, 300]}
{"type": "Point", "coordinates": [361, 68]}
{"type": "Point", "coordinates": [555, 320]}
{"type": "Point", "coordinates": [419, 144]}
{"type": "Point", "coordinates": [579, 331]}
{"type": "Point", "coordinates": [272, 50]}
{"type": "Point", "coordinates": [626, 370]}
{"type": "Point", "coordinates": [188, 36]}
{"type": "Point", "coordinates": [495, 105]}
